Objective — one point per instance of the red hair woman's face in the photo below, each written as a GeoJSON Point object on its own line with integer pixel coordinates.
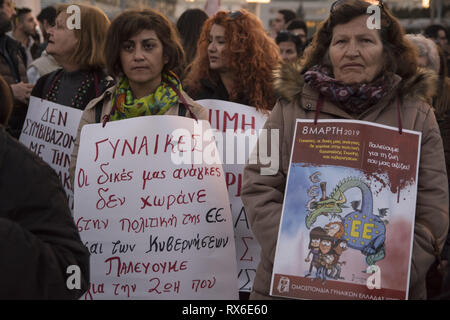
{"type": "Point", "coordinates": [217, 52]}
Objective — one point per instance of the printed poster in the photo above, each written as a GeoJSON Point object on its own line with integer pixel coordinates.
{"type": "Point", "coordinates": [152, 208]}
{"type": "Point", "coordinates": [50, 130]}
{"type": "Point", "coordinates": [239, 127]}
{"type": "Point", "coordinates": [347, 224]}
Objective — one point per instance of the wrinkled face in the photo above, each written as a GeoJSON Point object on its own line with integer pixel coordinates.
{"type": "Point", "coordinates": [356, 52]}
{"type": "Point", "coordinates": [62, 41]}
{"type": "Point", "coordinates": [8, 8]}
{"type": "Point", "coordinates": [278, 23]}
{"type": "Point", "coordinates": [288, 51]}
{"type": "Point", "coordinates": [325, 246]}
{"type": "Point", "coordinates": [142, 58]}
{"type": "Point", "coordinates": [28, 24]}
{"type": "Point", "coordinates": [217, 49]}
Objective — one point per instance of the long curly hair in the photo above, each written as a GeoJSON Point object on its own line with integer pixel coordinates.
{"type": "Point", "coordinates": [253, 57]}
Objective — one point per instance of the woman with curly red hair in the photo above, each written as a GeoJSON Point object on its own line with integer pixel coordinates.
{"type": "Point", "coordinates": [234, 61]}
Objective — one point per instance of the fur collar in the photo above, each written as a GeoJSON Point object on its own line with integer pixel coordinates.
{"type": "Point", "coordinates": [289, 83]}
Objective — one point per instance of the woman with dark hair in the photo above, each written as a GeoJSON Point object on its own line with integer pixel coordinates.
{"type": "Point", "coordinates": [375, 73]}
{"type": "Point", "coordinates": [290, 46]}
{"type": "Point", "coordinates": [80, 52]}
{"type": "Point", "coordinates": [39, 239]}
{"type": "Point", "coordinates": [235, 60]}
{"type": "Point", "coordinates": [144, 48]}
{"type": "Point", "coordinates": [189, 26]}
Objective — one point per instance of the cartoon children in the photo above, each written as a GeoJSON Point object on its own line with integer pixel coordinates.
{"type": "Point", "coordinates": [326, 258]}
{"type": "Point", "coordinates": [335, 229]}
{"type": "Point", "coordinates": [314, 240]}
{"type": "Point", "coordinates": [339, 247]}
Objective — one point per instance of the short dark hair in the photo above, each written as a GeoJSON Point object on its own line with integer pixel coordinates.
{"type": "Point", "coordinates": [49, 14]}
{"type": "Point", "coordinates": [287, 36]}
{"type": "Point", "coordinates": [131, 22]}
{"type": "Point", "coordinates": [288, 15]}
{"type": "Point", "coordinates": [297, 24]}
{"type": "Point", "coordinates": [20, 12]}
{"type": "Point", "coordinates": [432, 31]}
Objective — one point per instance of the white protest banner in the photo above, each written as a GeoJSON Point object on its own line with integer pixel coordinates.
{"type": "Point", "coordinates": [155, 230]}
{"type": "Point", "coordinates": [238, 124]}
{"type": "Point", "coordinates": [50, 130]}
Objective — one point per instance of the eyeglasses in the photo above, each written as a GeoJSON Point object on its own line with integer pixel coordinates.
{"type": "Point", "coordinates": [338, 2]}
{"type": "Point", "coordinates": [234, 14]}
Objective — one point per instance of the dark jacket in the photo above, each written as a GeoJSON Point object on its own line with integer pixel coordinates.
{"type": "Point", "coordinates": [44, 84]}
{"type": "Point", "coordinates": [38, 236]}
{"type": "Point", "coordinates": [210, 90]}
{"type": "Point", "coordinates": [12, 69]}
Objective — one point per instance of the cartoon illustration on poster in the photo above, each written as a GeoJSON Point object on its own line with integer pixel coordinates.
{"type": "Point", "coordinates": [348, 216]}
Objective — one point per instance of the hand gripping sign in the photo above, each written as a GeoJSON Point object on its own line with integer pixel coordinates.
{"type": "Point", "coordinates": [49, 131]}
{"type": "Point", "coordinates": [153, 212]}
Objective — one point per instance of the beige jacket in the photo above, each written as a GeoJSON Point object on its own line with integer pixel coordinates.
{"type": "Point", "coordinates": [105, 99]}
{"type": "Point", "coordinates": [263, 195]}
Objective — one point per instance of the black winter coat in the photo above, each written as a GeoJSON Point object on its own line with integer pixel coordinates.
{"type": "Point", "coordinates": [209, 90]}
{"type": "Point", "coordinates": [38, 236]}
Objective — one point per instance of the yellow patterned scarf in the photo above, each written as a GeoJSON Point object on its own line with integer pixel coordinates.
{"type": "Point", "coordinates": [125, 105]}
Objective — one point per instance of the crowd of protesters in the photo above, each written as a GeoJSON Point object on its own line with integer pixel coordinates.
{"type": "Point", "coordinates": [155, 67]}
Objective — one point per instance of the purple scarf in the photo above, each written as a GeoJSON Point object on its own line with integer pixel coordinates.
{"type": "Point", "coordinates": [354, 98]}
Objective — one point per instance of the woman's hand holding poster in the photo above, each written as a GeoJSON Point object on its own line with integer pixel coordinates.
{"type": "Point", "coordinates": [347, 225]}
{"type": "Point", "coordinates": [152, 208]}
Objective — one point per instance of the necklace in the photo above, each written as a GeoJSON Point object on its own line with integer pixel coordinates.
{"type": "Point", "coordinates": [78, 101]}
